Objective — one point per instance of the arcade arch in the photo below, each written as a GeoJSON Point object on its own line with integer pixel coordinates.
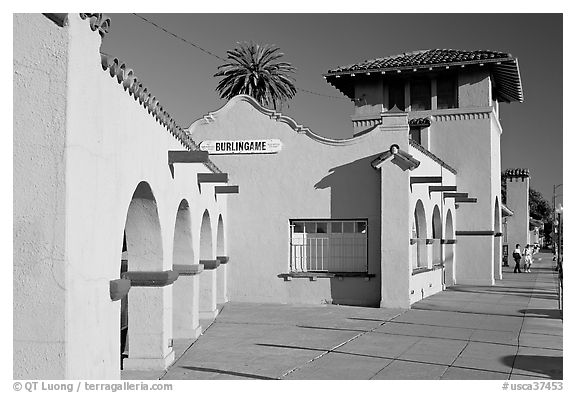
{"type": "Point", "coordinates": [146, 342]}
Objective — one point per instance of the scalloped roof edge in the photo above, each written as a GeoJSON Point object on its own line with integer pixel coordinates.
{"type": "Point", "coordinates": [272, 114]}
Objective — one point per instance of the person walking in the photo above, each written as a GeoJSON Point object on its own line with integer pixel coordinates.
{"type": "Point", "coordinates": [527, 253]}
{"type": "Point", "coordinates": [517, 255]}
{"type": "Point", "coordinates": [531, 259]}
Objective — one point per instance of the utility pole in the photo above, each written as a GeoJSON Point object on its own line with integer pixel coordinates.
{"type": "Point", "coordinates": [557, 226]}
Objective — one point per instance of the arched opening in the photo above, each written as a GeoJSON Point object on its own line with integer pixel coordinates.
{"type": "Point", "coordinates": [186, 289]}
{"type": "Point", "coordinates": [437, 236]}
{"type": "Point", "coordinates": [208, 278]}
{"type": "Point", "coordinates": [206, 252]}
{"type": "Point", "coordinates": [222, 272]}
{"type": "Point", "coordinates": [146, 339]}
{"type": "Point", "coordinates": [497, 257]}
{"type": "Point", "coordinates": [449, 249]}
{"type": "Point", "coordinates": [220, 245]}
{"type": "Point", "coordinates": [419, 233]}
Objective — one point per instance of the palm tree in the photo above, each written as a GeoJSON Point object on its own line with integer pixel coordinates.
{"type": "Point", "coordinates": [254, 70]}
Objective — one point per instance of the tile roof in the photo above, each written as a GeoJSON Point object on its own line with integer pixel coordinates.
{"type": "Point", "coordinates": [504, 67]}
{"type": "Point", "coordinates": [430, 57]}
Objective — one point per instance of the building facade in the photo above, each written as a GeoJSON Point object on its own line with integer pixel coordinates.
{"type": "Point", "coordinates": [103, 214]}
{"type": "Point", "coordinates": [124, 227]}
{"type": "Point", "coordinates": [432, 212]}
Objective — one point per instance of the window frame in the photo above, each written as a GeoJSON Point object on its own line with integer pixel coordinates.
{"type": "Point", "coordinates": [329, 231]}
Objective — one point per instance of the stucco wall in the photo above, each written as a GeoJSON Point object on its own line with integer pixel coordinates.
{"type": "Point", "coordinates": [474, 89]}
{"type": "Point", "coordinates": [425, 284]}
{"type": "Point", "coordinates": [111, 145]}
{"type": "Point", "coordinates": [310, 178]}
{"type": "Point", "coordinates": [40, 61]}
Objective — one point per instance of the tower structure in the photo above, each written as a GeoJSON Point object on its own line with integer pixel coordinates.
{"type": "Point", "coordinates": [517, 191]}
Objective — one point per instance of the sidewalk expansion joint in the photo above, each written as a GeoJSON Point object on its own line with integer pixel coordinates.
{"type": "Point", "coordinates": [340, 345]}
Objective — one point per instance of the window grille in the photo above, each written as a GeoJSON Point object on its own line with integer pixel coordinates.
{"type": "Point", "coordinates": [333, 246]}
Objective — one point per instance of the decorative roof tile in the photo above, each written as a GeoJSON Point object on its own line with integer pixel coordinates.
{"type": "Point", "coordinates": [98, 22]}
{"type": "Point", "coordinates": [130, 83]}
{"type": "Point", "coordinates": [419, 122]}
{"type": "Point", "coordinates": [504, 68]}
{"type": "Point", "coordinates": [518, 172]}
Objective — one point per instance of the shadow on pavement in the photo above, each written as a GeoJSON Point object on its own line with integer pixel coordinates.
{"type": "Point", "coordinates": [547, 365]}
{"type": "Point", "coordinates": [234, 373]}
{"type": "Point", "coordinates": [542, 313]}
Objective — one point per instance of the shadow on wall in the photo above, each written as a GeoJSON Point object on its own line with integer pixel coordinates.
{"type": "Point", "coordinates": [539, 365]}
{"type": "Point", "coordinates": [355, 194]}
{"type": "Point", "coordinates": [355, 189]}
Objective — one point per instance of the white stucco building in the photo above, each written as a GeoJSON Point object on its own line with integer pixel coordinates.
{"type": "Point", "coordinates": [420, 180]}
{"type": "Point", "coordinates": [124, 229]}
{"type": "Point", "coordinates": [104, 179]}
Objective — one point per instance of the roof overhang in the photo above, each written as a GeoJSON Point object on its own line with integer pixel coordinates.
{"type": "Point", "coordinates": [505, 72]}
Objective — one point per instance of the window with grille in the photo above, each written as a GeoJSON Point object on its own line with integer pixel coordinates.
{"type": "Point", "coordinates": [334, 246]}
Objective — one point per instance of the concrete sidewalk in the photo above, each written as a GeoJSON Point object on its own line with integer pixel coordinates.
{"type": "Point", "coordinates": [509, 331]}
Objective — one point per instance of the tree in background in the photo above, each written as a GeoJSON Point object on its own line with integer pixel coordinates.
{"type": "Point", "coordinates": [540, 208]}
{"type": "Point", "coordinates": [256, 70]}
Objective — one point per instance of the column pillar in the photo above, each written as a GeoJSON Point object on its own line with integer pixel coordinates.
{"type": "Point", "coordinates": [395, 221]}
{"type": "Point", "coordinates": [149, 328]}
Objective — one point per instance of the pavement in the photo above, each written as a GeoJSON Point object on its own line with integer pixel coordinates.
{"type": "Point", "coordinates": [512, 330]}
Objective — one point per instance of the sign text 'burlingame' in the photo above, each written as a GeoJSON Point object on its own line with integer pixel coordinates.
{"type": "Point", "coordinates": [259, 146]}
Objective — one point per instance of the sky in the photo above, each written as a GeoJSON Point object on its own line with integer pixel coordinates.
{"type": "Point", "coordinates": [181, 75]}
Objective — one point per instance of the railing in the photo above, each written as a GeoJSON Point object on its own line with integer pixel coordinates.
{"type": "Point", "coordinates": [419, 253]}
{"type": "Point", "coordinates": [328, 253]}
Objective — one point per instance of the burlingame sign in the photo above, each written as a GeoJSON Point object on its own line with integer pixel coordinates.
{"type": "Point", "coordinates": [259, 146]}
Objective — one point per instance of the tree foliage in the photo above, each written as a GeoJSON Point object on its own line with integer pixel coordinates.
{"type": "Point", "coordinates": [256, 70]}
{"type": "Point", "coordinates": [540, 208]}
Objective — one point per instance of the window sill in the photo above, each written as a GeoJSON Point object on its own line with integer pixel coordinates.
{"type": "Point", "coordinates": [313, 276]}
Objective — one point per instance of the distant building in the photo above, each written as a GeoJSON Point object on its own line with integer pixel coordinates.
{"type": "Point", "coordinates": [517, 200]}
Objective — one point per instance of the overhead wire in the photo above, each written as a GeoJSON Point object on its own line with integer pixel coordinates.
{"type": "Point", "coordinates": [210, 53]}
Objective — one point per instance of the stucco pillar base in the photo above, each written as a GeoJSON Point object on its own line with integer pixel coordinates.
{"type": "Point", "coordinates": [222, 284]}
{"type": "Point", "coordinates": [186, 300]}
{"type": "Point", "coordinates": [149, 364]}
{"type": "Point", "coordinates": [209, 314]}
{"type": "Point", "coordinates": [193, 332]}
{"type": "Point", "coordinates": [208, 291]}
{"type": "Point", "coordinates": [397, 303]}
